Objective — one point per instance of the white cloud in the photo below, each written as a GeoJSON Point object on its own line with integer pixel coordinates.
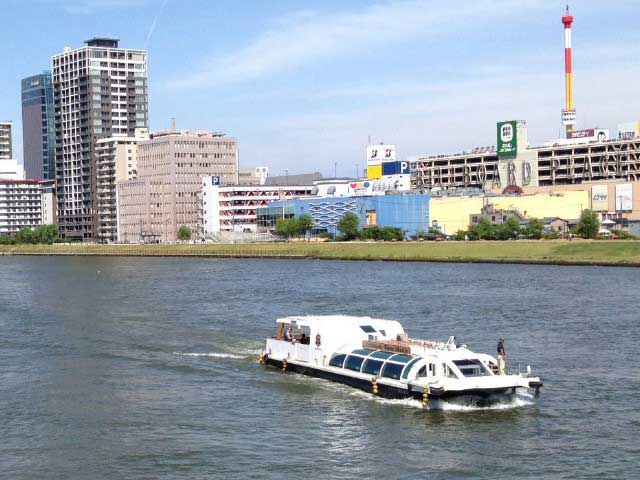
{"type": "Point", "coordinates": [438, 117]}
{"type": "Point", "coordinates": [307, 37]}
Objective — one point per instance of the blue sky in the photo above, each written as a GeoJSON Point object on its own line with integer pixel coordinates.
{"type": "Point", "coordinates": [302, 85]}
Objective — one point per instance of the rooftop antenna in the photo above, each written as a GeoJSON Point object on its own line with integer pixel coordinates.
{"type": "Point", "coordinates": [173, 124]}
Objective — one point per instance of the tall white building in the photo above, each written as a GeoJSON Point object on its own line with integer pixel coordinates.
{"type": "Point", "coordinates": [100, 91]}
{"type": "Point", "coordinates": [117, 160]}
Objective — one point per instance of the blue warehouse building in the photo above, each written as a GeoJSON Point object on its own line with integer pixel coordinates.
{"type": "Point", "coordinates": [406, 211]}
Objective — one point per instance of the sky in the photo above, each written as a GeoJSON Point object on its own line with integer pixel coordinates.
{"type": "Point", "coordinates": [303, 86]}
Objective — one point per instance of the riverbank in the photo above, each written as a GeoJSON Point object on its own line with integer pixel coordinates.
{"type": "Point", "coordinates": [561, 252]}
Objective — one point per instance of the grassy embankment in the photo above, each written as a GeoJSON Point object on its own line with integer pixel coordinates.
{"type": "Point", "coordinates": [617, 252]}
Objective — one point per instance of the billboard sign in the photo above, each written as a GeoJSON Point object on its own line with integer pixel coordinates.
{"type": "Point", "coordinates": [624, 197]}
{"type": "Point", "coordinates": [376, 154]}
{"type": "Point", "coordinates": [600, 198]}
{"type": "Point", "coordinates": [507, 139]}
{"type": "Point", "coordinates": [594, 134]}
{"type": "Point", "coordinates": [262, 173]}
{"type": "Point", "coordinates": [629, 131]}
{"type": "Point", "coordinates": [395, 168]}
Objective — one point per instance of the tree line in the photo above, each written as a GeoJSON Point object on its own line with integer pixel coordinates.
{"type": "Point", "coordinates": [588, 226]}
{"type": "Point", "coordinates": [45, 234]}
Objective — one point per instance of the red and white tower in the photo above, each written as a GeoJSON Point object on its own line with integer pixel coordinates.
{"type": "Point", "coordinates": [568, 112]}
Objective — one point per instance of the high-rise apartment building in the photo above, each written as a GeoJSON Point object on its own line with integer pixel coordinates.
{"type": "Point", "coordinates": [100, 91]}
{"type": "Point", "coordinates": [6, 151]}
{"type": "Point", "coordinates": [116, 162]}
{"type": "Point", "coordinates": [167, 192]}
{"type": "Point", "coordinates": [38, 128]}
{"type": "Point", "coordinates": [25, 204]}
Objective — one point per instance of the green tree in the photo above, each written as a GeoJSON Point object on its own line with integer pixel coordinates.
{"type": "Point", "coordinates": [184, 233]}
{"type": "Point", "coordinates": [47, 234]}
{"type": "Point", "coordinates": [27, 235]}
{"type": "Point", "coordinates": [588, 225]}
{"type": "Point", "coordinates": [286, 227]}
{"type": "Point", "coordinates": [304, 224]}
{"type": "Point", "coordinates": [534, 229]}
{"type": "Point", "coordinates": [508, 230]}
{"type": "Point", "coordinates": [349, 225]}
{"type": "Point", "coordinates": [483, 230]}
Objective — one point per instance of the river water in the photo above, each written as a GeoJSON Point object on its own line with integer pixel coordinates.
{"type": "Point", "coordinates": [136, 368]}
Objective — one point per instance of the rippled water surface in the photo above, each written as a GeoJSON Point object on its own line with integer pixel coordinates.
{"type": "Point", "coordinates": [145, 368]}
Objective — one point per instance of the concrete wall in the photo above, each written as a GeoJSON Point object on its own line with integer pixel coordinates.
{"type": "Point", "coordinates": [587, 188]}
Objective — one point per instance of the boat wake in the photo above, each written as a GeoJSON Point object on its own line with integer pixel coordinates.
{"type": "Point", "coordinates": [459, 405]}
{"type": "Point", "coordinates": [462, 405]}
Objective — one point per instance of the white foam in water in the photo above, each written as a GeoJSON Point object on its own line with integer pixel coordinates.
{"type": "Point", "coordinates": [517, 401]}
{"type": "Point", "coordinates": [210, 355]}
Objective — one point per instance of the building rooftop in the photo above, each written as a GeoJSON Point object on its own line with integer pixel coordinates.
{"type": "Point", "coordinates": [186, 133]}
{"type": "Point", "coordinates": [299, 179]}
{"type": "Point", "coordinates": [103, 42]}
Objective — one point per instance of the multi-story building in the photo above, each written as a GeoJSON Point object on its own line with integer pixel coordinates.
{"type": "Point", "coordinates": [100, 91]}
{"type": "Point", "coordinates": [25, 203]}
{"type": "Point", "coordinates": [166, 194]}
{"type": "Point", "coordinates": [233, 208]}
{"type": "Point", "coordinates": [38, 129]}
{"type": "Point", "coordinates": [116, 161]}
{"type": "Point", "coordinates": [588, 156]}
{"type": "Point", "coordinates": [6, 151]}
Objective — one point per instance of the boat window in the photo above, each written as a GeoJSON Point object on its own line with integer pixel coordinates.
{"type": "Point", "coordinates": [353, 363]}
{"type": "Point", "coordinates": [405, 374]}
{"type": "Point", "coordinates": [392, 370]}
{"type": "Point", "coordinates": [363, 351]}
{"type": "Point", "coordinates": [422, 372]}
{"type": "Point", "coordinates": [448, 372]}
{"type": "Point", "coordinates": [372, 367]}
{"type": "Point", "coordinates": [471, 368]}
{"type": "Point", "coordinates": [384, 334]}
{"type": "Point", "coordinates": [401, 357]}
{"type": "Point", "coordinates": [381, 354]}
{"type": "Point", "coordinates": [337, 360]}
{"type": "Point", "coordinates": [367, 329]}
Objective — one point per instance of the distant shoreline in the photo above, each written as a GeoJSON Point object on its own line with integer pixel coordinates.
{"type": "Point", "coordinates": [546, 252]}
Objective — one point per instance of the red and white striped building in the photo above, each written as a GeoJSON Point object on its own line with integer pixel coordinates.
{"type": "Point", "coordinates": [233, 208]}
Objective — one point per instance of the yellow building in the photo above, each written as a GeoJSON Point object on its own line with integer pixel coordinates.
{"type": "Point", "coordinates": [452, 213]}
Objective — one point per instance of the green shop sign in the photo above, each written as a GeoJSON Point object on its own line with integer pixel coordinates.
{"type": "Point", "coordinates": [507, 139]}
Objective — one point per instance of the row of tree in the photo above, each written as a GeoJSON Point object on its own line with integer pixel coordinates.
{"type": "Point", "coordinates": [349, 228]}
{"type": "Point", "coordinates": [587, 227]}
{"type": "Point", "coordinates": [46, 234]}
{"type": "Point", "coordinates": [294, 226]}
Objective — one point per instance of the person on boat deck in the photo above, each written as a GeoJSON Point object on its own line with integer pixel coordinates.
{"type": "Point", "coordinates": [501, 356]}
{"type": "Point", "coordinates": [288, 335]}
{"type": "Point", "coordinates": [303, 338]}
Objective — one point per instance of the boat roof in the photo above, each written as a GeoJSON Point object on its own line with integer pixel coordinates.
{"type": "Point", "coordinates": [341, 320]}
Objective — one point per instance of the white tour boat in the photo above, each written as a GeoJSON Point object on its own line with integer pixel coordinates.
{"type": "Point", "coordinates": [378, 356]}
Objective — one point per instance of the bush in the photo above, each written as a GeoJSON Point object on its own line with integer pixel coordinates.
{"type": "Point", "coordinates": [382, 233]}
{"type": "Point", "coordinates": [184, 233]}
{"type": "Point", "coordinates": [5, 240]}
{"type": "Point", "coordinates": [349, 225]}
{"type": "Point", "coordinates": [624, 235]}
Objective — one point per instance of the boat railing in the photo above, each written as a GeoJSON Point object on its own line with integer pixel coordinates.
{"type": "Point", "coordinates": [292, 350]}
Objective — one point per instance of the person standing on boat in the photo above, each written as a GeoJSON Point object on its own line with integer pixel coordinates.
{"type": "Point", "coordinates": [501, 356]}
{"type": "Point", "coordinates": [288, 335]}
